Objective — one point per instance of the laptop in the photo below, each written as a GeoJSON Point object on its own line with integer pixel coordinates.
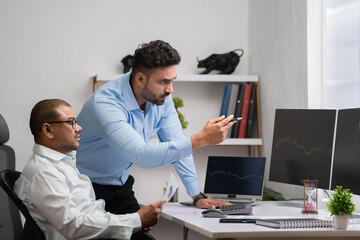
{"type": "Point", "coordinates": [235, 179]}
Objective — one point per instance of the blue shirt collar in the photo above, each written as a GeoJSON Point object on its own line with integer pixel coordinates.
{"type": "Point", "coordinates": [129, 97]}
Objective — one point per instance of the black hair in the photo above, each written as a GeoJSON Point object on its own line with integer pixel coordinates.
{"type": "Point", "coordinates": [153, 55]}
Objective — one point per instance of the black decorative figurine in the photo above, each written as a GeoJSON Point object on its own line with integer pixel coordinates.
{"type": "Point", "coordinates": [128, 62]}
{"type": "Point", "coordinates": [225, 63]}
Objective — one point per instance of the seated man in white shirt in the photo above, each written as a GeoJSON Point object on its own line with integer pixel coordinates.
{"type": "Point", "coordinates": [58, 197]}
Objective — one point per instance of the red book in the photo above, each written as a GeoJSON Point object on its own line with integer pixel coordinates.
{"type": "Point", "coordinates": [245, 111]}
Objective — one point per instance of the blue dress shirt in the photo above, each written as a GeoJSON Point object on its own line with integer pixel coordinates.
{"type": "Point", "coordinates": [116, 133]}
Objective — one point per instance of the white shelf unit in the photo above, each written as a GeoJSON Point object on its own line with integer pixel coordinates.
{"type": "Point", "coordinates": [210, 78]}
{"type": "Point", "coordinates": [103, 78]}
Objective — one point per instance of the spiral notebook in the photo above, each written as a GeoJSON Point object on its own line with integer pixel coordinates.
{"type": "Point", "coordinates": [295, 223]}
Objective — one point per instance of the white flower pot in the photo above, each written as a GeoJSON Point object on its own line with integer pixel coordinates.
{"type": "Point", "coordinates": [341, 221]}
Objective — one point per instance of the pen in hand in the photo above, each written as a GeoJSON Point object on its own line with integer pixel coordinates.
{"type": "Point", "coordinates": [232, 120]}
{"type": "Point", "coordinates": [236, 119]}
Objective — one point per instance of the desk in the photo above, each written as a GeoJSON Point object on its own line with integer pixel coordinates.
{"type": "Point", "coordinates": [191, 218]}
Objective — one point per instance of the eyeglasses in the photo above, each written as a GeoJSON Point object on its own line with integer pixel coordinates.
{"type": "Point", "coordinates": [73, 123]}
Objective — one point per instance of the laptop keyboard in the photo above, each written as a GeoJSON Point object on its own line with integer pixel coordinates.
{"type": "Point", "coordinates": [240, 208]}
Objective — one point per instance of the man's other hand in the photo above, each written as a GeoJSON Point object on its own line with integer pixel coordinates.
{"type": "Point", "coordinates": [149, 215]}
{"type": "Point", "coordinates": [211, 203]}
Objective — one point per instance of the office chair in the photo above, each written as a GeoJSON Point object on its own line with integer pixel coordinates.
{"type": "Point", "coordinates": [10, 220]}
{"type": "Point", "coordinates": [10, 204]}
{"type": "Point", "coordinates": [31, 229]}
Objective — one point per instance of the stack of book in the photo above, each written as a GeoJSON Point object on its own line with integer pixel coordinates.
{"type": "Point", "coordinates": [240, 100]}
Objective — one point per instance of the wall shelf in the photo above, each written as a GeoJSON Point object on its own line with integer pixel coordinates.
{"type": "Point", "coordinates": [241, 141]}
{"type": "Point", "coordinates": [231, 141]}
{"type": "Point", "coordinates": [217, 78]}
{"type": "Point", "coordinates": [103, 78]}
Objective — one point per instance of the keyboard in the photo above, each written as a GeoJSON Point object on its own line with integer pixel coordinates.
{"type": "Point", "coordinates": [240, 208]}
{"type": "Point", "coordinates": [235, 200]}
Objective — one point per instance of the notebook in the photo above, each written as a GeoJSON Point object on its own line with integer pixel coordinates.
{"type": "Point", "coordinates": [235, 179]}
{"type": "Point", "coordinates": [295, 223]}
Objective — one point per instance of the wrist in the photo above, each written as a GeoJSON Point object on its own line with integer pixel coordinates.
{"type": "Point", "coordinates": [197, 141]}
{"type": "Point", "coordinates": [198, 197]}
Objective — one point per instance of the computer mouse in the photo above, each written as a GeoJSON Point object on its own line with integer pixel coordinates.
{"type": "Point", "coordinates": [213, 213]}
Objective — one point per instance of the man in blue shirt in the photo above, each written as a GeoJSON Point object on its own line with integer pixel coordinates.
{"type": "Point", "coordinates": [121, 117]}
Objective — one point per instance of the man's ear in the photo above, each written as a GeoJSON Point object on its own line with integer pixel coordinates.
{"type": "Point", "coordinates": [47, 131]}
{"type": "Point", "coordinates": [140, 79]}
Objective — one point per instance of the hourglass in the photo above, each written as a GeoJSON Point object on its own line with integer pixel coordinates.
{"type": "Point", "coordinates": [310, 201]}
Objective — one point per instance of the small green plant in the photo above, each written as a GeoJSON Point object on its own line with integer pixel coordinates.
{"type": "Point", "coordinates": [178, 102]}
{"type": "Point", "coordinates": [340, 202]}
{"type": "Point", "coordinates": [272, 195]}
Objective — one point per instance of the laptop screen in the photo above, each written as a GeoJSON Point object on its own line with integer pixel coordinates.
{"type": "Point", "coordinates": [234, 178]}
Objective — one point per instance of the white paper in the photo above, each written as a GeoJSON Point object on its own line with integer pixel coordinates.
{"type": "Point", "coordinates": [171, 186]}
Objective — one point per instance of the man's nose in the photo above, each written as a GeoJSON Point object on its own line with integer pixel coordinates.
{"type": "Point", "coordinates": [169, 88]}
{"type": "Point", "coordinates": [78, 128]}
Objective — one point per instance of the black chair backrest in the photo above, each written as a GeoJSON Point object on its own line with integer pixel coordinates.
{"type": "Point", "coordinates": [4, 130]}
{"type": "Point", "coordinates": [7, 181]}
{"type": "Point", "coordinates": [10, 219]}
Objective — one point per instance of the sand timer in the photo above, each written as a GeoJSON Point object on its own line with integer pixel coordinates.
{"type": "Point", "coordinates": [310, 196]}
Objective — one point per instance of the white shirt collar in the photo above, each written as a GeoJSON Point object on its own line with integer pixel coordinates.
{"type": "Point", "coordinates": [52, 154]}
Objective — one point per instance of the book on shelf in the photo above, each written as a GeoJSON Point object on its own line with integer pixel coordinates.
{"type": "Point", "coordinates": [226, 99]}
{"type": "Point", "coordinates": [245, 111]}
{"type": "Point", "coordinates": [232, 103]}
{"type": "Point", "coordinates": [237, 108]}
{"type": "Point", "coordinates": [295, 223]}
{"type": "Point", "coordinates": [252, 110]}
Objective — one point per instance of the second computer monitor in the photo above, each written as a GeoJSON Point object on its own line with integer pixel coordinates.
{"type": "Point", "coordinates": [302, 146]}
{"type": "Point", "coordinates": [346, 163]}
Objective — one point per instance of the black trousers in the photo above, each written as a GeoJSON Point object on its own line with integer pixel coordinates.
{"type": "Point", "coordinates": [118, 199]}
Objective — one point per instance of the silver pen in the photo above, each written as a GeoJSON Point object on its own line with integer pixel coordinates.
{"type": "Point", "coordinates": [235, 119]}
{"type": "Point", "coordinates": [232, 120]}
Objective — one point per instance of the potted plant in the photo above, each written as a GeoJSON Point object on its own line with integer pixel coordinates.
{"type": "Point", "coordinates": [341, 206]}
{"type": "Point", "coordinates": [178, 102]}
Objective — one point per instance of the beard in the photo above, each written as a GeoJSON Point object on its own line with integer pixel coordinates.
{"type": "Point", "coordinates": [153, 98]}
{"type": "Point", "coordinates": [71, 147]}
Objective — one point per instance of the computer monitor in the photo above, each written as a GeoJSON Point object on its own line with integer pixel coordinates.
{"type": "Point", "coordinates": [302, 146]}
{"type": "Point", "coordinates": [346, 162]}
{"type": "Point", "coordinates": [235, 178]}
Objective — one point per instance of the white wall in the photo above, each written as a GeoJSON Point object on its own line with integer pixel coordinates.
{"type": "Point", "coordinates": [278, 53]}
{"type": "Point", "coordinates": [50, 49]}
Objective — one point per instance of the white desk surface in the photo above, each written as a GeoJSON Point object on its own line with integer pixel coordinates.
{"type": "Point", "coordinates": [191, 218]}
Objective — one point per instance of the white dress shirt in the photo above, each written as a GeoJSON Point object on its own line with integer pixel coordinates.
{"type": "Point", "coordinates": [63, 203]}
